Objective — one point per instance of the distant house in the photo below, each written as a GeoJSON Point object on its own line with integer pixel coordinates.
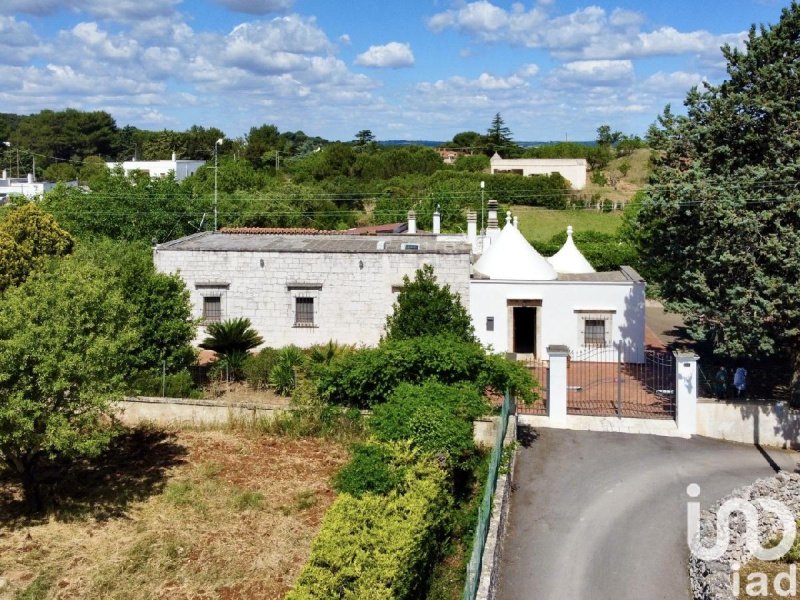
{"type": "Point", "coordinates": [25, 186]}
{"type": "Point", "coordinates": [160, 168]}
{"type": "Point", "coordinates": [450, 155]}
{"type": "Point", "coordinates": [306, 287]}
{"type": "Point", "coordinates": [571, 169]}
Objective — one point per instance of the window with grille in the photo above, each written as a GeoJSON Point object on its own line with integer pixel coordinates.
{"type": "Point", "coordinates": [212, 309]}
{"type": "Point", "coordinates": [594, 332]}
{"type": "Point", "coordinates": [304, 312]}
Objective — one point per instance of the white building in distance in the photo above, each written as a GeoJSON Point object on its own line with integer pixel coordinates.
{"type": "Point", "coordinates": [307, 287]}
{"type": "Point", "coordinates": [571, 169]}
{"type": "Point", "coordinates": [160, 168]}
{"type": "Point", "coordinates": [25, 186]}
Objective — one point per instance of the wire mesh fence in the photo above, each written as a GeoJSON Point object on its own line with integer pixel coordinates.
{"type": "Point", "coordinates": [485, 511]}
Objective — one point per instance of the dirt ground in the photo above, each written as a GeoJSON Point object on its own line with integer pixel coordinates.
{"type": "Point", "coordinates": [186, 514]}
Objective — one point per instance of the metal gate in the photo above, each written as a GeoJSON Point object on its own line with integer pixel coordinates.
{"type": "Point", "coordinates": [600, 383]}
{"type": "Point", "coordinates": [540, 371]}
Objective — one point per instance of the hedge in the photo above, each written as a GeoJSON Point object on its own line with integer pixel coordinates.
{"type": "Point", "coordinates": [379, 547]}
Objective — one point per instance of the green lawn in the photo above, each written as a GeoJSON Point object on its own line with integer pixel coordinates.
{"type": "Point", "coordinates": [541, 224]}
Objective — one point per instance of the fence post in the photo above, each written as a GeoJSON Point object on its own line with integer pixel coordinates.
{"type": "Point", "coordinates": [557, 383]}
{"type": "Point", "coordinates": [686, 383]}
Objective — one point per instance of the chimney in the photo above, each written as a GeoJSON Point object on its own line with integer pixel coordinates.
{"type": "Point", "coordinates": [437, 221]}
{"type": "Point", "coordinates": [5, 174]}
{"type": "Point", "coordinates": [492, 216]}
{"type": "Point", "coordinates": [516, 222]}
{"type": "Point", "coordinates": [472, 226]}
{"type": "Point", "coordinates": [174, 157]}
{"type": "Point", "coordinates": [30, 177]}
{"type": "Point", "coordinates": [412, 222]}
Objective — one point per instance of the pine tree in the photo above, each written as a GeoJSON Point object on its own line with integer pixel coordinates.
{"type": "Point", "coordinates": [719, 228]}
{"type": "Point", "coordinates": [498, 136]}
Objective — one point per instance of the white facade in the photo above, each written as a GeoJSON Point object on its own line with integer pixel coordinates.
{"type": "Point", "coordinates": [557, 312]}
{"type": "Point", "coordinates": [25, 186]}
{"type": "Point", "coordinates": [352, 280]}
{"type": "Point", "coordinates": [161, 168]}
{"type": "Point", "coordinates": [571, 169]}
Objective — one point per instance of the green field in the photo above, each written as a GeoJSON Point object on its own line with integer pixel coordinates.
{"type": "Point", "coordinates": [540, 224]}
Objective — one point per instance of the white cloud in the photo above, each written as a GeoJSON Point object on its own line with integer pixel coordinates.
{"type": "Point", "coordinates": [587, 33]}
{"type": "Point", "coordinates": [256, 7]}
{"type": "Point", "coordinates": [345, 39]}
{"type": "Point", "coordinates": [102, 45]}
{"type": "Point", "coordinates": [528, 71]}
{"type": "Point", "coordinates": [18, 41]}
{"type": "Point", "coordinates": [393, 55]}
{"type": "Point", "coordinates": [596, 72]}
{"type": "Point", "coordinates": [118, 10]}
{"type": "Point", "coordinates": [678, 82]}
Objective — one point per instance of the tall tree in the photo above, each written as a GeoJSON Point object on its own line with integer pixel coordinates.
{"type": "Point", "coordinates": [720, 225]}
{"type": "Point", "coordinates": [65, 336]}
{"type": "Point", "coordinates": [498, 136]}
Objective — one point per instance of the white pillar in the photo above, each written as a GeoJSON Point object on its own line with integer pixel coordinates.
{"type": "Point", "coordinates": [472, 227]}
{"type": "Point", "coordinates": [412, 222]}
{"type": "Point", "coordinates": [557, 384]}
{"type": "Point", "coordinates": [686, 392]}
{"type": "Point", "coordinates": [437, 222]}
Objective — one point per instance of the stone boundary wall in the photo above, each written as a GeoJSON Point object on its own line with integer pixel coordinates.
{"type": "Point", "coordinates": [712, 580]}
{"type": "Point", "coordinates": [493, 548]}
{"type": "Point", "coordinates": [766, 423]}
{"type": "Point", "coordinates": [189, 411]}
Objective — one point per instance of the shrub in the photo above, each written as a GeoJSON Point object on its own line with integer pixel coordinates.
{"type": "Point", "coordinates": [257, 367]}
{"type": "Point", "coordinates": [367, 377]}
{"type": "Point", "coordinates": [283, 376]}
{"type": "Point", "coordinates": [176, 385]}
{"type": "Point", "coordinates": [370, 469]}
{"type": "Point", "coordinates": [437, 418]}
{"type": "Point", "coordinates": [605, 251]}
{"type": "Point", "coordinates": [372, 546]}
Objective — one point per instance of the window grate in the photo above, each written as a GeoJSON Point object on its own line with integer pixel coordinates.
{"type": "Point", "coordinates": [304, 312]}
{"type": "Point", "coordinates": [212, 309]}
{"type": "Point", "coordinates": [594, 332]}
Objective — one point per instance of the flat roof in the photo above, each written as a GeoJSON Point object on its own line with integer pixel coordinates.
{"type": "Point", "coordinates": [624, 275]}
{"type": "Point", "coordinates": [327, 243]}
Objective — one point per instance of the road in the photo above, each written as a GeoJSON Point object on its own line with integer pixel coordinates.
{"type": "Point", "coordinates": [603, 515]}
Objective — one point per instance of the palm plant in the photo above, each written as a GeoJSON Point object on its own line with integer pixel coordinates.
{"type": "Point", "coordinates": [231, 340]}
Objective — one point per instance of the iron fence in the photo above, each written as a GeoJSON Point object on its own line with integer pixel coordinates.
{"type": "Point", "coordinates": [485, 510]}
{"type": "Point", "coordinates": [601, 383]}
{"type": "Point", "coordinates": [540, 371]}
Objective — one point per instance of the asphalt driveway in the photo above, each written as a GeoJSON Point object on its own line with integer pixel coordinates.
{"type": "Point", "coordinates": [603, 515]}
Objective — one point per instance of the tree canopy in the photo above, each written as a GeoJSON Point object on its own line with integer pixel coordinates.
{"type": "Point", "coordinates": [719, 227]}
{"type": "Point", "coordinates": [424, 308]}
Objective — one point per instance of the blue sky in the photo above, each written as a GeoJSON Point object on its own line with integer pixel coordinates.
{"type": "Point", "coordinates": [414, 69]}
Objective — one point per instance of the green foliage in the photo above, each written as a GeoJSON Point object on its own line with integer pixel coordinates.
{"type": "Point", "coordinates": [283, 376]}
{"type": "Point", "coordinates": [367, 377]}
{"type": "Point", "coordinates": [258, 366]}
{"type": "Point", "coordinates": [65, 336]}
{"type": "Point", "coordinates": [174, 385]}
{"type": "Point", "coordinates": [437, 418]}
{"type": "Point", "coordinates": [423, 307]}
{"type": "Point", "coordinates": [559, 150]}
{"type": "Point", "coordinates": [29, 237]}
{"type": "Point", "coordinates": [371, 469]}
{"type": "Point", "coordinates": [379, 547]}
{"type": "Point", "coordinates": [599, 178]}
{"type": "Point", "coordinates": [233, 335]}
{"type": "Point", "coordinates": [476, 163]}
{"type": "Point", "coordinates": [159, 301]}
{"type": "Point", "coordinates": [498, 137]}
{"type": "Point", "coordinates": [60, 172]}
{"type": "Point", "coordinates": [605, 252]}
{"type": "Point", "coordinates": [719, 228]}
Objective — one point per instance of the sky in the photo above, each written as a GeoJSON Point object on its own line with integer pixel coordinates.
{"type": "Point", "coordinates": [410, 69]}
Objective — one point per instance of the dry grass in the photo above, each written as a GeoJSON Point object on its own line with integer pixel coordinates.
{"type": "Point", "coordinates": [235, 392]}
{"type": "Point", "coordinates": [771, 570]}
{"type": "Point", "coordinates": [633, 181]}
{"type": "Point", "coordinates": [232, 515]}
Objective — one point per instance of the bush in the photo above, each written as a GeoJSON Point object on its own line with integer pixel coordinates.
{"type": "Point", "coordinates": [368, 377]}
{"type": "Point", "coordinates": [372, 546]}
{"type": "Point", "coordinates": [370, 469]}
{"type": "Point", "coordinates": [437, 418]}
{"type": "Point", "coordinates": [176, 385]}
{"type": "Point", "coordinates": [605, 252]}
{"type": "Point", "coordinates": [283, 376]}
{"type": "Point", "coordinates": [257, 367]}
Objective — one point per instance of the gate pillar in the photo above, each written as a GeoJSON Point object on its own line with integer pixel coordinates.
{"type": "Point", "coordinates": [557, 383]}
{"type": "Point", "coordinates": [686, 392]}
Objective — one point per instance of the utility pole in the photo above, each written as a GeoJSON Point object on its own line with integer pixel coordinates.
{"type": "Point", "coordinates": [216, 169]}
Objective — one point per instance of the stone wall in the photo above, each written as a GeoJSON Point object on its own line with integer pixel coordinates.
{"type": "Point", "coordinates": [191, 412]}
{"type": "Point", "coordinates": [353, 292]}
{"type": "Point", "coordinates": [711, 580]}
